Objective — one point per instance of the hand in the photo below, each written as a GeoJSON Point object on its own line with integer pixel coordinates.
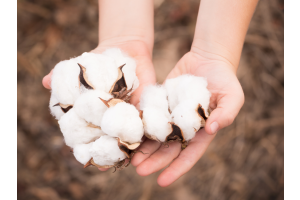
{"type": "Point", "coordinates": [139, 52]}
{"type": "Point", "coordinates": [226, 100]}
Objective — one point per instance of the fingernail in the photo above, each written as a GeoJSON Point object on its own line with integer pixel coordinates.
{"type": "Point", "coordinates": [214, 127]}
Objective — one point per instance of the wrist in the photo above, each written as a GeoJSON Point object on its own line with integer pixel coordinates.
{"type": "Point", "coordinates": [133, 46]}
{"type": "Point", "coordinates": [214, 51]}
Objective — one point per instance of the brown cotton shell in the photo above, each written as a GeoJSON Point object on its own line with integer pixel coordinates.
{"type": "Point", "coordinates": [202, 112]}
{"type": "Point", "coordinates": [91, 162]}
{"type": "Point", "coordinates": [151, 137]}
{"type": "Point", "coordinates": [176, 134]}
{"type": "Point", "coordinates": [93, 125]}
{"type": "Point", "coordinates": [203, 115]}
{"type": "Point", "coordinates": [83, 78]}
{"type": "Point", "coordinates": [120, 83]}
{"type": "Point", "coordinates": [111, 102]}
{"type": "Point", "coordinates": [127, 148]}
{"type": "Point", "coordinates": [64, 107]}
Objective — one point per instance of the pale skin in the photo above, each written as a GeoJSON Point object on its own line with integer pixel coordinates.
{"type": "Point", "coordinates": [215, 53]}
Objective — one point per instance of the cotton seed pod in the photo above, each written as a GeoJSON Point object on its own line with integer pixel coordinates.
{"type": "Point", "coordinates": [187, 87]}
{"type": "Point", "coordinates": [123, 121]}
{"type": "Point", "coordinates": [76, 130]}
{"type": "Point", "coordinates": [56, 111]}
{"type": "Point", "coordinates": [156, 124]}
{"type": "Point", "coordinates": [97, 71]}
{"type": "Point", "coordinates": [154, 96]}
{"type": "Point", "coordinates": [189, 116]}
{"type": "Point", "coordinates": [129, 69]}
{"type": "Point", "coordinates": [193, 87]}
{"type": "Point", "coordinates": [90, 108]}
{"type": "Point", "coordinates": [106, 153]}
{"type": "Point", "coordinates": [120, 89]}
{"type": "Point", "coordinates": [82, 152]}
{"type": "Point", "coordinates": [64, 82]}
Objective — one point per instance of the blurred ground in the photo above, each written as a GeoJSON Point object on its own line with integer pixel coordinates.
{"type": "Point", "coordinates": [245, 161]}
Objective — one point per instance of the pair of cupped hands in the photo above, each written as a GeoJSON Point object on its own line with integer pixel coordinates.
{"type": "Point", "coordinates": [226, 100]}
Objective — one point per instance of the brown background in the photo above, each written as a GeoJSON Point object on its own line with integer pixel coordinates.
{"type": "Point", "coordinates": [245, 161]}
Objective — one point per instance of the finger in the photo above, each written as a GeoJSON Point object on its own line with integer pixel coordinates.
{"type": "Point", "coordinates": [47, 80]}
{"type": "Point", "coordinates": [103, 169]}
{"type": "Point", "coordinates": [186, 159]}
{"type": "Point", "coordinates": [160, 159]}
{"type": "Point", "coordinates": [227, 109]}
{"type": "Point", "coordinates": [147, 148]}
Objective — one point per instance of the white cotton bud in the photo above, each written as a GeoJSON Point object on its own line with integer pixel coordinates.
{"type": "Point", "coordinates": [154, 96]}
{"type": "Point", "coordinates": [156, 123]}
{"type": "Point", "coordinates": [129, 69]}
{"type": "Point", "coordinates": [89, 106]}
{"type": "Point", "coordinates": [65, 83]}
{"type": "Point", "coordinates": [56, 111]}
{"type": "Point", "coordinates": [101, 70]}
{"type": "Point", "coordinates": [193, 87]}
{"type": "Point", "coordinates": [76, 130]}
{"type": "Point", "coordinates": [123, 121]}
{"type": "Point", "coordinates": [185, 116]}
{"type": "Point", "coordinates": [171, 86]}
{"type": "Point", "coordinates": [106, 152]}
{"type": "Point", "coordinates": [82, 153]}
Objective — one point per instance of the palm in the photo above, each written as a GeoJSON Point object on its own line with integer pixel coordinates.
{"type": "Point", "coordinates": [224, 87]}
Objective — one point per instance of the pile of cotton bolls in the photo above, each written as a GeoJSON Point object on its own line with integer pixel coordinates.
{"type": "Point", "coordinates": [89, 97]}
{"type": "Point", "coordinates": [176, 110]}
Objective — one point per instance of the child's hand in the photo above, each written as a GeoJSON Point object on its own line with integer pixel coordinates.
{"type": "Point", "coordinates": [226, 101]}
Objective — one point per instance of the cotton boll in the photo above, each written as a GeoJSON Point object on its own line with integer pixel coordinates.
{"type": "Point", "coordinates": [193, 87]}
{"type": "Point", "coordinates": [123, 121]}
{"type": "Point", "coordinates": [105, 151]}
{"type": "Point", "coordinates": [76, 130]}
{"type": "Point", "coordinates": [129, 69]}
{"type": "Point", "coordinates": [186, 117]}
{"type": "Point", "coordinates": [171, 86]}
{"type": "Point", "coordinates": [131, 79]}
{"type": "Point", "coordinates": [64, 81]}
{"type": "Point", "coordinates": [101, 70]}
{"type": "Point", "coordinates": [82, 153]}
{"type": "Point", "coordinates": [55, 110]}
{"type": "Point", "coordinates": [154, 96]}
{"type": "Point", "coordinates": [156, 123]}
{"type": "Point", "coordinates": [89, 107]}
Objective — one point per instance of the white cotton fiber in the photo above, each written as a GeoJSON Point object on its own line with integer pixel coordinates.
{"type": "Point", "coordinates": [171, 86]}
{"type": "Point", "coordinates": [123, 121]}
{"type": "Point", "coordinates": [75, 129]}
{"type": "Point", "coordinates": [56, 111]}
{"type": "Point", "coordinates": [82, 153]}
{"type": "Point", "coordinates": [129, 69]}
{"type": "Point", "coordinates": [89, 107]}
{"type": "Point", "coordinates": [193, 87]}
{"type": "Point", "coordinates": [156, 123]}
{"type": "Point", "coordinates": [105, 151]}
{"type": "Point", "coordinates": [186, 117]}
{"type": "Point", "coordinates": [154, 96]}
{"type": "Point", "coordinates": [64, 81]}
{"type": "Point", "coordinates": [101, 70]}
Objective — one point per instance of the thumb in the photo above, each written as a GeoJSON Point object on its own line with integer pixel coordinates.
{"type": "Point", "coordinates": [227, 109]}
{"type": "Point", "coordinates": [47, 80]}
